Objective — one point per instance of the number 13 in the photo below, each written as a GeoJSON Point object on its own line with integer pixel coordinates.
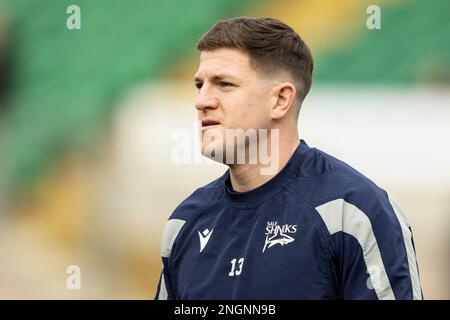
{"type": "Point", "coordinates": [234, 272]}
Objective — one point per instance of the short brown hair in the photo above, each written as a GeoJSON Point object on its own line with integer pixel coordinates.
{"type": "Point", "coordinates": [271, 45]}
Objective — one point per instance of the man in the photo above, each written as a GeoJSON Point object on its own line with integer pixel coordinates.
{"type": "Point", "coordinates": [313, 227]}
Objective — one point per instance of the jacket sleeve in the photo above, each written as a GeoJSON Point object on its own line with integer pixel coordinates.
{"type": "Point", "coordinates": [373, 248]}
{"type": "Point", "coordinates": [165, 290]}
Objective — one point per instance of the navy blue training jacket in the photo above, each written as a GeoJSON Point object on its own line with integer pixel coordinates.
{"type": "Point", "coordinates": [317, 230]}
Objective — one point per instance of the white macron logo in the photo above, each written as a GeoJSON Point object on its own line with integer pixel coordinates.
{"type": "Point", "coordinates": [204, 238]}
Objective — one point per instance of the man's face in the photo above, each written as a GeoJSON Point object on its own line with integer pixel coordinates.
{"type": "Point", "coordinates": [232, 95]}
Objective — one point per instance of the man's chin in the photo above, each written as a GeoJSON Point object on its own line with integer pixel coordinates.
{"type": "Point", "coordinates": [214, 152]}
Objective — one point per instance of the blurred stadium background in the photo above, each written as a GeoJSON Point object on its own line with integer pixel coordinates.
{"type": "Point", "coordinates": [86, 118]}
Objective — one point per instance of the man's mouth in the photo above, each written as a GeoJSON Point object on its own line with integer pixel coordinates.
{"type": "Point", "coordinates": [208, 123]}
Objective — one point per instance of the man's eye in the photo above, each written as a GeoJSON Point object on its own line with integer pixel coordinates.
{"type": "Point", "coordinates": [198, 85]}
{"type": "Point", "coordinates": [225, 84]}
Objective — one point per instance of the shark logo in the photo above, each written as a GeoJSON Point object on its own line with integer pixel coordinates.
{"type": "Point", "coordinates": [278, 234]}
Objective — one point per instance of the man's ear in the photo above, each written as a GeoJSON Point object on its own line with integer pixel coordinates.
{"type": "Point", "coordinates": [284, 98]}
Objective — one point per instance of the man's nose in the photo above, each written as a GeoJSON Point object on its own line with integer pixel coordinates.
{"type": "Point", "coordinates": [206, 100]}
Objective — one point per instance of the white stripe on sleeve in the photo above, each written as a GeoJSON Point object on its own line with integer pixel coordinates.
{"type": "Point", "coordinates": [407, 238]}
{"type": "Point", "coordinates": [340, 215]}
{"type": "Point", "coordinates": [171, 230]}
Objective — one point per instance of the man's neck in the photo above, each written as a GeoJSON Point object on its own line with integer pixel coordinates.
{"type": "Point", "coordinates": [246, 177]}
